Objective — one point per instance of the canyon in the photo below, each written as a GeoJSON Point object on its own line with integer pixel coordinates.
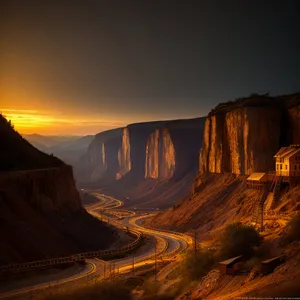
{"type": "Point", "coordinates": [240, 137]}
{"type": "Point", "coordinates": [148, 164]}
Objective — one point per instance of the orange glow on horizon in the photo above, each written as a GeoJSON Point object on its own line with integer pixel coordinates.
{"type": "Point", "coordinates": [33, 121]}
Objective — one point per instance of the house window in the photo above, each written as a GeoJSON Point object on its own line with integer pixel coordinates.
{"type": "Point", "coordinates": [295, 167]}
{"type": "Point", "coordinates": [286, 167]}
{"type": "Point", "coordinates": [280, 166]}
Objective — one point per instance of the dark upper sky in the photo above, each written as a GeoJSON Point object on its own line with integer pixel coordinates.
{"type": "Point", "coordinates": [140, 60]}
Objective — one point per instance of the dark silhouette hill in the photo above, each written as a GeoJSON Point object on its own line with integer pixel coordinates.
{"type": "Point", "coordinates": [41, 214]}
{"type": "Point", "coordinates": [18, 154]}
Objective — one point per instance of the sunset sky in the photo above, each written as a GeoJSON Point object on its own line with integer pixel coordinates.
{"type": "Point", "coordinates": [80, 67]}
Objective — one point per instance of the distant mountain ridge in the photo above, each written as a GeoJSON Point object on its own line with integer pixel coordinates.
{"type": "Point", "coordinates": [67, 148]}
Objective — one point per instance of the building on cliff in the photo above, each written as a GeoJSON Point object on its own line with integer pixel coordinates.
{"type": "Point", "coordinates": [257, 180]}
{"type": "Point", "coordinates": [288, 163]}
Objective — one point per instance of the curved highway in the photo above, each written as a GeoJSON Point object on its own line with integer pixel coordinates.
{"type": "Point", "coordinates": [161, 245]}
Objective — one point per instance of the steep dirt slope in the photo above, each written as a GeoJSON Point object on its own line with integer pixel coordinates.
{"type": "Point", "coordinates": [40, 209]}
{"type": "Point", "coordinates": [218, 200]}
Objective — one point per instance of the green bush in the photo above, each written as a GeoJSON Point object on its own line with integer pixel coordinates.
{"type": "Point", "coordinates": [238, 239]}
{"type": "Point", "coordinates": [195, 266]}
{"type": "Point", "coordinates": [292, 231]}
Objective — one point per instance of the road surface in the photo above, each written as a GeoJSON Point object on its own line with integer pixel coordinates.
{"type": "Point", "coordinates": [160, 246]}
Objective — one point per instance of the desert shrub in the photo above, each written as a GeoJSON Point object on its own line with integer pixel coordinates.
{"type": "Point", "coordinates": [238, 239]}
{"type": "Point", "coordinates": [292, 231]}
{"type": "Point", "coordinates": [195, 266]}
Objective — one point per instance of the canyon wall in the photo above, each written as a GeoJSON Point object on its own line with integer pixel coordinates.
{"type": "Point", "coordinates": [160, 155]}
{"type": "Point", "coordinates": [142, 156]}
{"type": "Point", "coordinates": [103, 157]}
{"type": "Point", "coordinates": [242, 137]}
{"type": "Point", "coordinates": [42, 216]}
{"type": "Point", "coordinates": [124, 158]}
{"type": "Point", "coordinates": [46, 190]}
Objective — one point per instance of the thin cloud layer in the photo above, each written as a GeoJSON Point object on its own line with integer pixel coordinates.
{"type": "Point", "coordinates": [32, 121]}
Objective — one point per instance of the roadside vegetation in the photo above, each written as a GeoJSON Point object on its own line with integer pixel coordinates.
{"type": "Point", "coordinates": [196, 265]}
{"type": "Point", "coordinates": [238, 239]}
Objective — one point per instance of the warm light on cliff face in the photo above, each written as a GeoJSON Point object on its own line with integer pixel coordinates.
{"type": "Point", "coordinates": [33, 121]}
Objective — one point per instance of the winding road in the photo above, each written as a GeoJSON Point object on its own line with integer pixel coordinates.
{"type": "Point", "coordinates": [159, 246]}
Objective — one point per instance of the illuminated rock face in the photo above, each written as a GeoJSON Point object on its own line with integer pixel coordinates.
{"type": "Point", "coordinates": [167, 164]}
{"type": "Point", "coordinates": [160, 155]}
{"type": "Point", "coordinates": [152, 154]}
{"type": "Point", "coordinates": [241, 141]}
{"type": "Point", "coordinates": [124, 155]}
{"type": "Point", "coordinates": [212, 148]}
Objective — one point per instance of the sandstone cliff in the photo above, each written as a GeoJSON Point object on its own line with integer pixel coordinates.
{"type": "Point", "coordinates": [160, 155]}
{"type": "Point", "coordinates": [45, 190]}
{"type": "Point", "coordinates": [239, 138]}
{"type": "Point", "coordinates": [149, 159]}
{"type": "Point", "coordinates": [242, 137]}
{"type": "Point", "coordinates": [124, 157]}
{"type": "Point", "coordinates": [102, 159]}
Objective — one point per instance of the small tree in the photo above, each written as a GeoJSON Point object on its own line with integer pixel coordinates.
{"type": "Point", "coordinates": [197, 265]}
{"type": "Point", "coordinates": [238, 239]}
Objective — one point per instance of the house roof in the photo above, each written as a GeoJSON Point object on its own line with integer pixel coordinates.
{"type": "Point", "coordinates": [230, 260]}
{"type": "Point", "coordinates": [273, 259]}
{"type": "Point", "coordinates": [286, 152]}
{"type": "Point", "coordinates": [256, 176]}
